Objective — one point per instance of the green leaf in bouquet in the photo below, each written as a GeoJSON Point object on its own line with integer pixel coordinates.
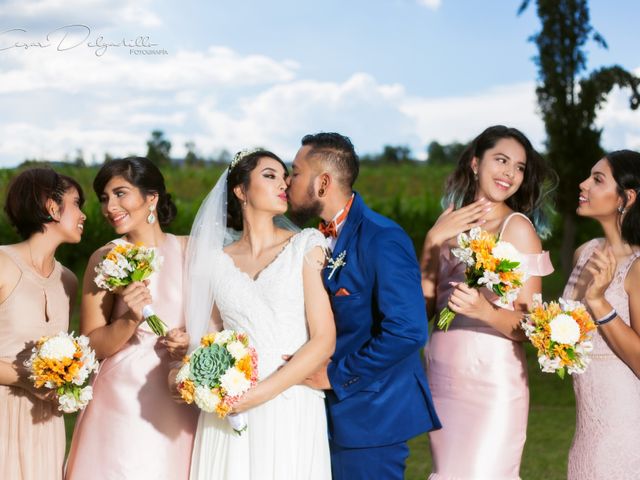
{"type": "Point", "coordinates": [560, 373]}
{"type": "Point", "coordinates": [507, 266]}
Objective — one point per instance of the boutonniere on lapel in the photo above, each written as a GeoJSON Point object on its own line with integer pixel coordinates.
{"type": "Point", "coordinates": [334, 264]}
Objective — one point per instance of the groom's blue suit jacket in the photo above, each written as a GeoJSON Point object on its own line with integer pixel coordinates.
{"type": "Point", "coordinates": [380, 394]}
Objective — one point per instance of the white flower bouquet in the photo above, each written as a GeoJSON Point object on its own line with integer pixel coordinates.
{"type": "Point", "coordinates": [63, 363]}
{"type": "Point", "coordinates": [491, 263]}
{"type": "Point", "coordinates": [561, 331]}
{"type": "Point", "coordinates": [217, 373]}
{"type": "Point", "coordinates": [126, 264]}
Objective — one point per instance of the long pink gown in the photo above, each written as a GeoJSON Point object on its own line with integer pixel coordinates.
{"type": "Point", "coordinates": [607, 436]}
{"type": "Point", "coordinates": [478, 379]}
{"type": "Point", "coordinates": [32, 440]}
{"type": "Point", "coordinates": [132, 429]}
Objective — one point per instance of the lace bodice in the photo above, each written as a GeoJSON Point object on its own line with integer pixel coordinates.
{"type": "Point", "coordinates": [607, 393]}
{"type": "Point", "coordinates": [269, 308]}
{"type": "Point", "coordinates": [615, 294]}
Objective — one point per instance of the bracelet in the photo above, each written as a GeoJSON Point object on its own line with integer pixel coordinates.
{"type": "Point", "coordinates": [608, 317]}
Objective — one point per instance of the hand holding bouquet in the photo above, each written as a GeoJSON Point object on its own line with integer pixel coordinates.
{"type": "Point", "coordinates": [490, 263]}
{"type": "Point", "coordinates": [561, 331]}
{"type": "Point", "coordinates": [63, 363]}
{"type": "Point", "coordinates": [222, 369]}
{"type": "Point", "coordinates": [126, 264]}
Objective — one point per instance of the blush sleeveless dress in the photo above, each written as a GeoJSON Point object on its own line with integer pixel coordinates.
{"type": "Point", "coordinates": [478, 379]}
{"type": "Point", "coordinates": [605, 443]}
{"type": "Point", "coordinates": [32, 438]}
{"type": "Point", "coordinates": [133, 429]}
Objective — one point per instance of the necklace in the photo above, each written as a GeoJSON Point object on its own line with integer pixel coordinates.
{"type": "Point", "coordinates": [41, 272]}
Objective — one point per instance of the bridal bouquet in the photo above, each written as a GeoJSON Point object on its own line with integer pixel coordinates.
{"type": "Point", "coordinates": [217, 373]}
{"type": "Point", "coordinates": [561, 331]}
{"type": "Point", "coordinates": [63, 363]}
{"type": "Point", "coordinates": [490, 263]}
{"type": "Point", "coordinates": [126, 264]}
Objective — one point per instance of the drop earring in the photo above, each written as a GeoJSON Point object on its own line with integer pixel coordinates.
{"type": "Point", "coordinates": [475, 175]}
{"type": "Point", "coordinates": [151, 218]}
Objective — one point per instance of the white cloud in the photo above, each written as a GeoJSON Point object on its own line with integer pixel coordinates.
{"type": "Point", "coordinates": [80, 70]}
{"type": "Point", "coordinates": [432, 4]}
{"type": "Point", "coordinates": [44, 15]}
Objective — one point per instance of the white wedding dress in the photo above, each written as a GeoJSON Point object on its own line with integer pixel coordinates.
{"type": "Point", "coordinates": [286, 438]}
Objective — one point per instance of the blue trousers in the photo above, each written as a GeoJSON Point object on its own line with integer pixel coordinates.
{"type": "Point", "coordinates": [374, 463]}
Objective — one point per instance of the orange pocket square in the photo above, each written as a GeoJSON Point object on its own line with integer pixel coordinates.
{"type": "Point", "coordinates": [343, 292]}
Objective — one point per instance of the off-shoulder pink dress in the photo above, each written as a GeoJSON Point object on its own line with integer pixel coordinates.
{"type": "Point", "coordinates": [32, 440]}
{"type": "Point", "coordinates": [607, 436]}
{"type": "Point", "coordinates": [132, 429]}
{"type": "Point", "coordinates": [478, 379]}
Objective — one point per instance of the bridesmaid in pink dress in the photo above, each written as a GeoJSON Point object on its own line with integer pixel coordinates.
{"type": "Point", "coordinates": [606, 273]}
{"type": "Point", "coordinates": [477, 370]}
{"type": "Point", "coordinates": [133, 429]}
{"type": "Point", "coordinates": [36, 294]}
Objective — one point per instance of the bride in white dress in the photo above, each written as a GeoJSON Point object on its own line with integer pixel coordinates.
{"type": "Point", "coordinates": [268, 284]}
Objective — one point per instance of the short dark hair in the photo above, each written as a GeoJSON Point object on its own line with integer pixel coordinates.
{"type": "Point", "coordinates": [338, 151]}
{"type": "Point", "coordinates": [625, 166]}
{"type": "Point", "coordinates": [240, 174]}
{"type": "Point", "coordinates": [143, 174]}
{"type": "Point", "coordinates": [26, 203]}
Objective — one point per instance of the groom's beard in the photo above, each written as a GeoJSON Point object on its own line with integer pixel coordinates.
{"type": "Point", "coordinates": [300, 214]}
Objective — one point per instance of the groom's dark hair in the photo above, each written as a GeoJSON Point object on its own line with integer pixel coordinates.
{"type": "Point", "coordinates": [338, 152]}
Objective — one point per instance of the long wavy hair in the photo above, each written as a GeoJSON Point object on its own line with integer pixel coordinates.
{"type": "Point", "coordinates": [533, 198]}
{"type": "Point", "coordinates": [625, 165]}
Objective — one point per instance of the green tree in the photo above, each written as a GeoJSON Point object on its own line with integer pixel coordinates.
{"type": "Point", "coordinates": [398, 154]}
{"type": "Point", "coordinates": [569, 100]}
{"type": "Point", "coordinates": [159, 148]}
{"type": "Point", "coordinates": [438, 154]}
{"type": "Point", "coordinates": [191, 158]}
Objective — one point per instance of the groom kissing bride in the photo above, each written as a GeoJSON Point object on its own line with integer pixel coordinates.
{"type": "Point", "coordinates": [377, 392]}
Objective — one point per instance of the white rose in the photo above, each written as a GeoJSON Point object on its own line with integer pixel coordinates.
{"type": "Point", "coordinates": [506, 251]}
{"type": "Point", "coordinates": [564, 329]}
{"type": "Point", "coordinates": [183, 373]}
{"type": "Point", "coordinates": [237, 350]}
{"type": "Point", "coordinates": [58, 347]}
{"type": "Point", "coordinates": [234, 382]}
{"type": "Point", "coordinates": [205, 399]}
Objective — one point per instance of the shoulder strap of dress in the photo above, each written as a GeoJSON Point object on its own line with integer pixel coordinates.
{"type": "Point", "coordinates": [509, 217]}
{"type": "Point", "coordinates": [626, 266]}
{"type": "Point", "coordinates": [13, 256]}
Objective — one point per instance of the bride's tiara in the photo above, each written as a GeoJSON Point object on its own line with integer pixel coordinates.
{"type": "Point", "coordinates": [241, 155]}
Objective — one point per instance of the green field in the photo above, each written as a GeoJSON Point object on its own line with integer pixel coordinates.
{"type": "Point", "coordinates": [408, 193]}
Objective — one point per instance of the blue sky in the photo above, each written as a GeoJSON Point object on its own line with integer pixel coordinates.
{"type": "Point", "coordinates": [246, 73]}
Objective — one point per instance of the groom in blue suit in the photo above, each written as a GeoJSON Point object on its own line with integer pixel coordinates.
{"type": "Point", "coordinates": [377, 392]}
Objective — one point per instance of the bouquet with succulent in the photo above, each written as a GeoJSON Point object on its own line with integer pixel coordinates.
{"type": "Point", "coordinates": [222, 369]}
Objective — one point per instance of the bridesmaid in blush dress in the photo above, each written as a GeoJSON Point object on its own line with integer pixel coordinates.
{"type": "Point", "coordinates": [132, 429]}
{"type": "Point", "coordinates": [36, 294]}
{"type": "Point", "coordinates": [605, 275]}
{"type": "Point", "coordinates": [477, 370]}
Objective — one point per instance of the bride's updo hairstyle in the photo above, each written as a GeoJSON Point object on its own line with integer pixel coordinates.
{"type": "Point", "coordinates": [533, 196]}
{"type": "Point", "coordinates": [240, 169]}
{"type": "Point", "coordinates": [143, 174]}
{"type": "Point", "coordinates": [625, 166]}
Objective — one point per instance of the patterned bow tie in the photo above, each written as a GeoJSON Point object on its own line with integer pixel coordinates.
{"type": "Point", "coordinates": [328, 229]}
{"type": "Point", "coordinates": [331, 229]}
